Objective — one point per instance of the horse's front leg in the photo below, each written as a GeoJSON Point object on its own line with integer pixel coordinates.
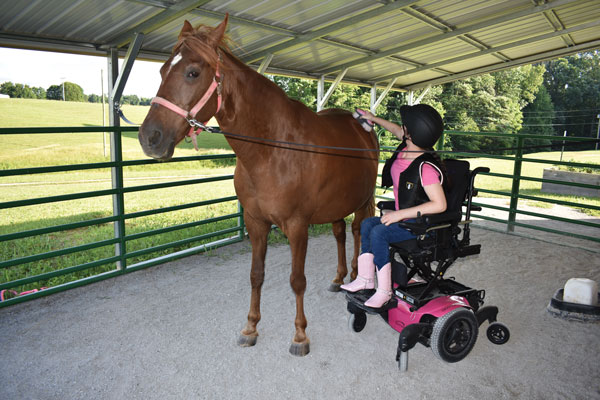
{"type": "Point", "coordinates": [258, 232]}
{"type": "Point", "coordinates": [339, 232]}
{"type": "Point", "coordinates": [298, 236]}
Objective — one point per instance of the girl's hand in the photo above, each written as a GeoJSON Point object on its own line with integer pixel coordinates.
{"type": "Point", "coordinates": [391, 217]}
{"type": "Point", "coordinates": [368, 115]}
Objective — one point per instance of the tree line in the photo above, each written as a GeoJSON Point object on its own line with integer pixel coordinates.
{"type": "Point", "coordinates": [65, 91]}
{"type": "Point", "coordinates": [546, 99]}
{"type": "Point", "coordinates": [549, 99]}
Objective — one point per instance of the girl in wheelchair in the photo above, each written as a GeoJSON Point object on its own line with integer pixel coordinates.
{"type": "Point", "coordinates": [415, 173]}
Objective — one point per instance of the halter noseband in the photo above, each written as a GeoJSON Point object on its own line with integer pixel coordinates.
{"type": "Point", "coordinates": [195, 126]}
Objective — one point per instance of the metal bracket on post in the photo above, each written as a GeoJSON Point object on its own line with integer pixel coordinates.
{"type": "Point", "coordinates": [265, 64]}
{"type": "Point", "coordinates": [376, 101]}
{"type": "Point", "coordinates": [132, 52]}
{"type": "Point", "coordinates": [322, 99]}
{"type": "Point", "coordinates": [422, 95]}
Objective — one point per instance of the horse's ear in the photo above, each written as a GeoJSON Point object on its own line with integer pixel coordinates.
{"type": "Point", "coordinates": [187, 29]}
{"type": "Point", "coordinates": [219, 31]}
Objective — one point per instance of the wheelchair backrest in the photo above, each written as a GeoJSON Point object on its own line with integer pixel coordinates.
{"type": "Point", "coordinates": [458, 175]}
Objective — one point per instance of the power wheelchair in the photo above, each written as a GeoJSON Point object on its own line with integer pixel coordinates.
{"type": "Point", "coordinates": [426, 307]}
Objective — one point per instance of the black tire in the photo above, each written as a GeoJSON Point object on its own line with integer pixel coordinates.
{"type": "Point", "coordinates": [357, 321]}
{"type": "Point", "coordinates": [454, 335]}
{"type": "Point", "coordinates": [498, 333]}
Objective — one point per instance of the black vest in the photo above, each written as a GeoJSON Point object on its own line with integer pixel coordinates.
{"type": "Point", "coordinates": [410, 189]}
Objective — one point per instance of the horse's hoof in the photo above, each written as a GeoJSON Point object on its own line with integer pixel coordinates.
{"type": "Point", "coordinates": [335, 287]}
{"type": "Point", "coordinates": [300, 349]}
{"type": "Point", "coordinates": [247, 341]}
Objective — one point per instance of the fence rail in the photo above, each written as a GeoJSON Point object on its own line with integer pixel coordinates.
{"type": "Point", "coordinates": [124, 260]}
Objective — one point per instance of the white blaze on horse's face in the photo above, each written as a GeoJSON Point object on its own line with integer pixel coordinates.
{"type": "Point", "coordinates": [174, 61]}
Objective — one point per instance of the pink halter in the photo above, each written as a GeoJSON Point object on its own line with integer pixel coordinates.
{"type": "Point", "coordinates": [195, 126]}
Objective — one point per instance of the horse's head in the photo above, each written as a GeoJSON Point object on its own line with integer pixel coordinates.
{"type": "Point", "coordinates": [188, 90]}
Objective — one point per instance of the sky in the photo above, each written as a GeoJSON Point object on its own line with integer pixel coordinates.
{"type": "Point", "coordinates": [43, 69]}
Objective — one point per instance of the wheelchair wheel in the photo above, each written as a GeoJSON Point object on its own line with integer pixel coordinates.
{"type": "Point", "coordinates": [454, 335]}
{"type": "Point", "coordinates": [357, 321]}
{"type": "Point", "coordinates": [498, 333]}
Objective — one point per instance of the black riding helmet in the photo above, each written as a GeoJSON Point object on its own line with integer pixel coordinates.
{"type": "Point", "coordinates": [423, 123]}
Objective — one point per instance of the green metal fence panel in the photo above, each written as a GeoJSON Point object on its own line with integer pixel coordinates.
{"type": "Point", "coordinates": [124, 256]}
{"type": "Point", "coordinates": [518, 159]}
{"type": "Point", "coordinates": [123, 253]}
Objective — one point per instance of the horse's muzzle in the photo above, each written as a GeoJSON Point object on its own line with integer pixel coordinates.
{"type": "Point", "coordinates": [155, 143]}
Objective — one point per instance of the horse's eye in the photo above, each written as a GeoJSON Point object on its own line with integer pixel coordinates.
{"type": "Point", "coordinates": [193, 74]}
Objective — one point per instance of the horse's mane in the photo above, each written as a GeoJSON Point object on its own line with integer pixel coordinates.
{"type": "Point", "coordinates": [200, 42]}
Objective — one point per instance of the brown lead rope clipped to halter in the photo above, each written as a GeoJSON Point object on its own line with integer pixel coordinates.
{"type": "Point", "coordinates": [214, 129]}
{"type": "Point", "coordinates": [120, 113]}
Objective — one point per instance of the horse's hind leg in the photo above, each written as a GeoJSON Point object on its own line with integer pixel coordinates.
{"type": "Point", "coordinates": [258, 232]}
{"type": "Point", "coordinates": [366, 211]}
{"type": "Point", "coordinates": [339, 231]}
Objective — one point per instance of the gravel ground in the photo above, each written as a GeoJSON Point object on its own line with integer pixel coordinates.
{"type": "Point", "coordinates": [170, 332]}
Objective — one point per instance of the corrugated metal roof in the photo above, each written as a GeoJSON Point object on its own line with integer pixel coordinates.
{"type": "Point", "coordinates": [419, 42]}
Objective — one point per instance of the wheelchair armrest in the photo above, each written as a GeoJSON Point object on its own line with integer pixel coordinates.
{"type": "Point", "coordinates": [443, 218]}
{"type": "Point", "coordinates": [386, 205]}
{"type": "Point", "coordinates": [425, 223]}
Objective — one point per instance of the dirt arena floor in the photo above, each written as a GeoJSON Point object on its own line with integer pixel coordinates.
{"type": "Point", "coordinates": [170, 332]}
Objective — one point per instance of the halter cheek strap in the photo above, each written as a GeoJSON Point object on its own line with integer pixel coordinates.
{"type": "Point", "coordinates": [195, 126]}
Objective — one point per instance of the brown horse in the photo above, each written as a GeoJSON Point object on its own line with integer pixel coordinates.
{"type": "Point", "coordinates": [291, 184]}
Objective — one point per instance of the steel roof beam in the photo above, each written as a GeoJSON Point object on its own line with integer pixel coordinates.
{"type": "Point", "coordinates": [491, 50]}
{"type": "Point", "coordinates": [319, 33]}
{"type": "Point", "coordinates": [155, 22]}
{"type": "Point", "coordinates": [514, 63]}
{"type": "Point", "coordinates": [448, 35]}
{"type": "Point", "coordinates": [558, 25]}
{"type": "Point", "coordinates": [444, 27]}
{"type": "Point", "coordinates": [277, 30]}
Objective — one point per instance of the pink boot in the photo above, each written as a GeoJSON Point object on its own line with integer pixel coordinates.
{"type": "Point", "coordinates": [384, 287]}
{"type": "Point", "coordinates": [366, 274]}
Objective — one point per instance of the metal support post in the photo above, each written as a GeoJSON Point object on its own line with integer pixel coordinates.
{"type": "Point", "coordinates": [320, 91]}
{"type": "Point", "coordinates": [116, 156]}
{"type": "Point", "coordinates": [514, 193]}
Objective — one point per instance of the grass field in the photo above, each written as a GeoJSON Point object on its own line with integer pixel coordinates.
{"type": "Point", "coordinates": [34, 150]}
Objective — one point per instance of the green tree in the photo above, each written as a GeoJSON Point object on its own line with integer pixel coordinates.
{"type": "Point", "coordinates": [537, 120]}
{"type": "Point", "coordinates": [130, 99]}
{"type": "Point", "coordinates": [8, 88]}
{"type": "Point", "coordinates": [19, 90]}
{"type": "Point", "coordinates": [72, 92]}
{"type": "Point", "coordinates": [573, 83]}
{"type": "Point", "coordinates": [303, 90]}
{"type": "Point", "coordinates": [54, 92]}
{"type": "Point", "coordinates": [490, 103]}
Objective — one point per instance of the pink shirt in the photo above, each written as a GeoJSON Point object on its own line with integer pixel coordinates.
{"type": "Point", "coordinates": [429, 175]}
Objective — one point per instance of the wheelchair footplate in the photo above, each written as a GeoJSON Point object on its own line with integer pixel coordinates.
{"type": "Point", "coordinates": [356, 301]}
